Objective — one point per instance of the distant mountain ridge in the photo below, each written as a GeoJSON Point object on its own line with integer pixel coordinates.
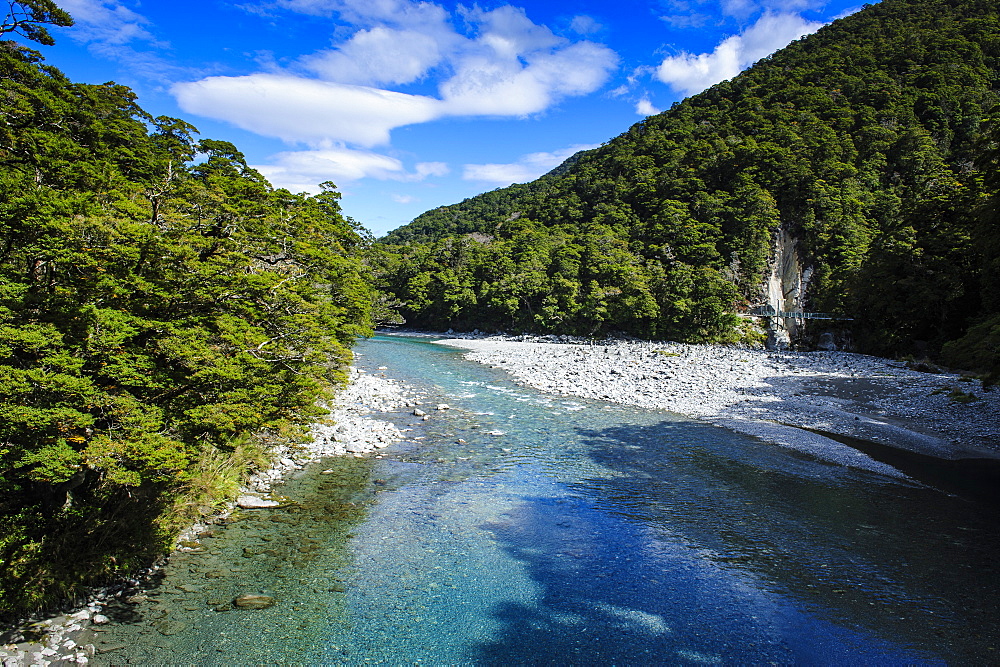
{"type": "Point", "coordinates": [855, 154]}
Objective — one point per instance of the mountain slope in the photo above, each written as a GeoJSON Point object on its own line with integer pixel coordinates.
{"type": "Point", "coordinates": [849, 156]}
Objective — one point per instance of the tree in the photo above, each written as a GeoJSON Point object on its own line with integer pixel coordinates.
{"type": "Point", "coordinates": [159, 319]}
{"type": "Point", "coordinates": [28, 18]}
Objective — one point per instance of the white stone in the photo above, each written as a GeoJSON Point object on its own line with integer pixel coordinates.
{"type": "Point", "coordinates": [255, 502]}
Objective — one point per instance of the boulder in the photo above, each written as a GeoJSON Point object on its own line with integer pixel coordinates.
{"type": "Point", "coordinates": [826, 343]}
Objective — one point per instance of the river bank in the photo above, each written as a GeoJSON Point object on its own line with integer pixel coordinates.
{"type": "Point", "coordinates": [351, 429]}
{"type": "Point", "coordinates": [780, 396]}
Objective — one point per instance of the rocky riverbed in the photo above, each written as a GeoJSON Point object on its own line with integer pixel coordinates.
{"type": "Point", "coordinates": [350, 430]}
{"type": "Point", "coordinates": [774, 395]}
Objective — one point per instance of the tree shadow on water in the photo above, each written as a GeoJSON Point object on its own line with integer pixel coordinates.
{"type": "Point", "coordinates": [601, 600]}
{"type": "Point", "coordinates": [699, 546]}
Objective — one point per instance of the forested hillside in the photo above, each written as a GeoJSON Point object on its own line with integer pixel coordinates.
{"type": "Point", "coordinates": [165, 317]}
{"type": "Point", "coordinates": [866, 144]}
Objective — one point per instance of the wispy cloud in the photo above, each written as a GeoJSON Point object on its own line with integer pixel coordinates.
{"type": "Point", "coordinates": [107, 22]}
{"type": "Point", "coordinates": [527, 168]}
{"type": "Point", "coordinates": [299, 110]}
{"type": "Point", "coordinates": [300, 171]}
{"type": "Point", "coordinates": [692, 73]}
{"type": "Point", "coordinates": [504, 65]}
{"type": "Point", "coordinates": [585, 25]}
{"type": "Point", "coordinates": [114, 31]}
{"type": "Point", "coordinates": [695, 20]}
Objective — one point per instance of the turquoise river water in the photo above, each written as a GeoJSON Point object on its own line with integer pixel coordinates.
{"type": "Point", "coordinates": [522, 528]}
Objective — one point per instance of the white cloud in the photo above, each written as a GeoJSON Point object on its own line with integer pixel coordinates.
{"type": "Point", "coordinates": [425, 169]}
{"type": "Point", "coordinates": [303, 110]}
{"type": "Point", "coordinates": [301, 171]}
{"type": "Point", "coordinates": [487, 86]}
{"type": "Point", "coordinates": [527, 168]}
{"type": "Point", "coordinates": [645, 108]}
{"type": "Point", "coordinates": [743, 9]}
{"type": "Point", "coordinates": [402, 199]}
{"type": "Point", "coordinates": [509, 31]}
{"type": "Point", "coordinates": [690, 74]}
{"type": "Point", "coordinates": [509, 66]}
{"type": "Point", "coordinates": [772, 32]}
{"type": "Point", "coordinates": [380, 55]}
{"type": "Point", "coordinates": [371, 12]}
{"type": "Point", "coordinates": [515, 67]}
{"type": "Point", "coordinates": [512, 67]}
{"type": "Point", "coordinates": [500, 64]}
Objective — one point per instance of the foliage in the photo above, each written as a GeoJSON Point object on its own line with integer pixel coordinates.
{"type": "Point", "coordinates": [28, 18]}
{"type": "Point", "coordinates": [979, 350]}
{"type": "Point", "coordinates": [161, 305]}
{"type": "Point", "coordinates": [862, 141]}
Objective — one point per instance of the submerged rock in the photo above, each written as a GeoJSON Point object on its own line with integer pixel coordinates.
{"type": "Point", "coordinates": [170, 627]}
{"type": "Point", "coordinates": [254, 601]}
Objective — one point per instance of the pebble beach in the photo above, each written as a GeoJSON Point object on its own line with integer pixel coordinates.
{"type": "Point", "coordinates": [789, 398]}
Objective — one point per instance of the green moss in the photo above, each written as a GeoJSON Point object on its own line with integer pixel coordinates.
{"type": "Point", "coordinates": [959, 396]}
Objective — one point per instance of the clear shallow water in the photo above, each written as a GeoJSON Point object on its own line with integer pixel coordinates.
{"type": "Point", "coordinates": [518, 528]}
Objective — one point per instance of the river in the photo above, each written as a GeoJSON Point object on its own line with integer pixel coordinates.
{"type": "Point", "coordinates": [521, 528]}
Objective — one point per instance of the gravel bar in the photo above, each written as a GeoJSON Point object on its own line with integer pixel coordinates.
{"type": "Point", "coordinates": [773, 395]}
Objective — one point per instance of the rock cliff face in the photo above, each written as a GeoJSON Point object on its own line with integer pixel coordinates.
{"type": "Point", "coordinates": [785, 289]}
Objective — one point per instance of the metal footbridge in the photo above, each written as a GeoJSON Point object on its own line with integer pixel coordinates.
{"type": "Point", "coordinates": [770, 311]}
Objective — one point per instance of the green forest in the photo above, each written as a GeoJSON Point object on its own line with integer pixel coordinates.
{"type": "Point", "coordinates": [871, 142]}
{"type": "Point", "coordinates": [166, 316]}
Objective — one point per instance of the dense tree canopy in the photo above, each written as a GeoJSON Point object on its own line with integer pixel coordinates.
{"type": "Point", "coordinates": [160, 305]}
{"type": "Point", "coordinates": [862, 141]}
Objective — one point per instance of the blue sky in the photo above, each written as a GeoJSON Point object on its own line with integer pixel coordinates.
{"type": "Point", "coordinates": [409, 105]}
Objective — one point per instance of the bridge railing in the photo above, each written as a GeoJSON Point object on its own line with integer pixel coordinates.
{"type": "Point", "coordinates": [768, 311]}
